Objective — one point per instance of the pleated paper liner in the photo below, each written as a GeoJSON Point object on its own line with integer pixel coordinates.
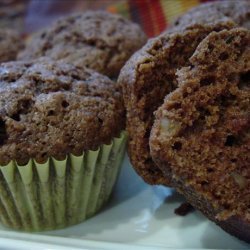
{"type": "Point", "coordinates": [56, 194]}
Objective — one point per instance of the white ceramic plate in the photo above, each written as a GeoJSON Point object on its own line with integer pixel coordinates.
{"type": "Point", "coordinates": [138, 217]}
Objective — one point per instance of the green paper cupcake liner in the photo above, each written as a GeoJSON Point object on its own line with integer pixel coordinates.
{"type": "Point", "coordinates": [56, 194]}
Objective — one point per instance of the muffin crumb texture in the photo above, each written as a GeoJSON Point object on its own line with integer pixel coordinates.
{"type": "Point", "coordinates": [207, 154]}
{"type": "Point", "coordinates": [146, 79]}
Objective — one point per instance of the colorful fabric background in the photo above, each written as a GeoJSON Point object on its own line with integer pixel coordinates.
{"type": "Point", "coordinates": [154, 15]}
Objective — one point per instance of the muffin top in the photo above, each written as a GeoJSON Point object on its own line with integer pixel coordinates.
{"type": "Point", "coordinates": [10, 44]}
{"type": "Point", "coordinates": [52, 108]}
{"type": "Point", "coordinates": [238, 11]}
{"type": "Point", "coordinates": [95, 39]}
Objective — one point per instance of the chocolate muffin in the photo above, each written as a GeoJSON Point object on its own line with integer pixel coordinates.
{"type": "Point", "coordinates": [60, 143]}
{"type": "Point", "coordinates": [95, 39]}
{"type": "Point", "coordinates": [10, 44]}
{"type": "Point", "coordinates": [146, 79]}
{"type": "Point", "coordinates": [207, 13]}
{"type": "Point", "coordinates": [200, 138]}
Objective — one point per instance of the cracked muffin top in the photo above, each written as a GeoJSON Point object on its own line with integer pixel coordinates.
{"type": "Point", "coordinates": [52, 108]}
{"type": "Point", "coordinates": [10, 45]}
{"type": "Point", "coordinates": [95, 39]}
{"type": "Point", "coordinates": [207, 13]}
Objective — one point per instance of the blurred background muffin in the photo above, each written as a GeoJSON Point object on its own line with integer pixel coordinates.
{"type": "Point", "coordinates": [95, 39]}
{"type": "Point", "coordinates": [10, 44]}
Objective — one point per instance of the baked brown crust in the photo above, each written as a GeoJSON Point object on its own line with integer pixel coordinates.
{"type": "Point", "coordinates": [50, 108]}
{"type": "Point", "coordinates": [237, 11]}
{"type": "Point", "coordinates": [146, 78]}
{"type": "Point", "coordinates": [10, 44]}
{"type": "Point", "coordinates": [95, 39]}
{"type": "Point", "coordinates": [201, 135]}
